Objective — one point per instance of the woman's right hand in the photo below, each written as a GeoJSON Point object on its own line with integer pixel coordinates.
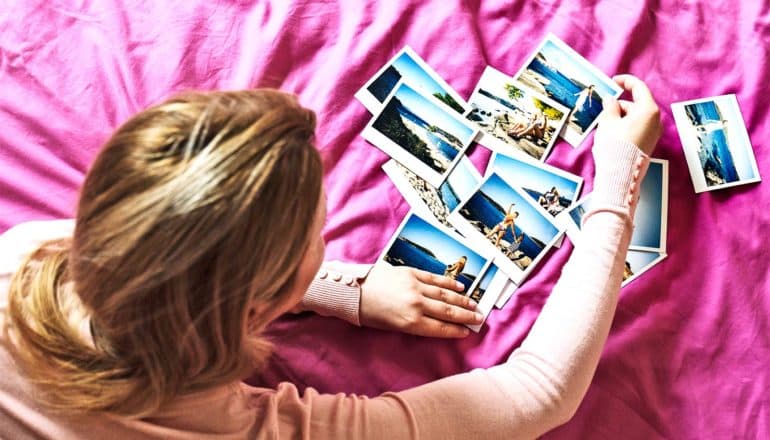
{"type": "Point", "coordinates": [636, 121]}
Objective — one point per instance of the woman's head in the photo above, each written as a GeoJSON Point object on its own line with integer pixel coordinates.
{"type": "Point", "coordinates": [199, 219]}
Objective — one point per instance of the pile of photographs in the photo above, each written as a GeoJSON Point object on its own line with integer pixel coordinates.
{"type": "Point", "coordinates": [490, 230]}
{"type": "Point", "coordinates": [648, 241]}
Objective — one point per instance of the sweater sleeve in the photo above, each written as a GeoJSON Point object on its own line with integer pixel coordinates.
{"type": "Point", "coordinates": [543, 381]}
{"type": "Point", "coordinates": [336, 291]}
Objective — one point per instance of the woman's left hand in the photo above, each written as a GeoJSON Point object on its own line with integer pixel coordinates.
{"type": "Point", "coordinates": [417, 302]}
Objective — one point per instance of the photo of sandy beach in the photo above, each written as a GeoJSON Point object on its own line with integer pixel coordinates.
{"type": "Point", "coordinates": [526, 121]}
{"type": "Point", "coordinates": [437, 202]}
{"type": "Point", "coordinates": [562, 74]}
{"type": "Point", "coordinates": [420, 133]}
{"type": "Point", "coordinates": [716, 144]}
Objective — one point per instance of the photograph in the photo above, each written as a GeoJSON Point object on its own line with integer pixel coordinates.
{"type": "Point", "coordinates": [422, 245]}
{"type": "Point", "coordinates": [407, 65]}
{"type": "Point", "coordinates": [716, 143]}
{"type": "Point", "coordinates": [429, 201]}
{"type": "Point", "coordinates": [524, 120]}
{"type": "Point", "coordinates": [486, 292]}
{"type": "Point", "coordinates": [651, 217]}
{"type": "Point", "coordinates": [420, 133]}
{"type": "Point", "coordinates": [638, 262]}
{"type": "Point", "coordinates": [556, 70]}
{"type": "Point", "coordinates": [570, 220]}
{"type": "Point", "coordinates": [508, 290]}
{"type": "Point", "coordinates": [552, 188]}
{"type": "Point", "coordinates": [503, 219]}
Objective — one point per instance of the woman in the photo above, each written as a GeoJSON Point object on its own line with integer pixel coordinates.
{"type": "Point", "coordinates": [508, 221]}
{"type": "Point", "coordinates": [143, 322]}
{"type": "Point", "coordinates": [454, 270]}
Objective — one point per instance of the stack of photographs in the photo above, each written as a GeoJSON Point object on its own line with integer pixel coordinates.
{"type": "Point", "coordinates": [488, 231]}
{"type": "Point", "coordinates": [648, 241]}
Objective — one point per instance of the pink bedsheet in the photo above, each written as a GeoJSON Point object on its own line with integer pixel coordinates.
{"type": "Point", "coordinates": [689, 350]}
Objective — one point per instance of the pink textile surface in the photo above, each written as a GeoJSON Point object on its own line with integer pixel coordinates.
{"type": "Point", "coordinates": [688, 353]}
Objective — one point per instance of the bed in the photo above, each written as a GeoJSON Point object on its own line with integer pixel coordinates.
{"type": "Point", "coordinates": [688, 353]}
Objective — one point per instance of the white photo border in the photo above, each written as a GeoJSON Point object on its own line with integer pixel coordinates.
{"type": "Point", "coordinates": [663, 211]}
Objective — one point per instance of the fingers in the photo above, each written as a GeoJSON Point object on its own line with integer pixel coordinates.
{"type": "Point", "coordinates": [450, 312]}
{"type": "Point", "coordinates": [611, 108]}
{"type": "Point", "coordinates": [625, 106]}
{"type": "Point", "coordinates": [449, 297]}
{"type": "Point", "coordinates": [438, 280]}
{"type": "Point", "coordinates": [638, 89]}
{"type": "Point", "coordinates": [440, 329]}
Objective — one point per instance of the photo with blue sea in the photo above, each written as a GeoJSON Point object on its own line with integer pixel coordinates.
{"type": "Point", "coordinates": [407, 68]}
{"type": "Point", "coordinates": [566, 79]}
{"type": "Point", "coordinates": [487, 207]}
{"type": "Point", "coordinates": [422, 128]}
{"type": "Point", "coordinates": [649, 211]}
{"type": "Point", "coordinates": [723, 153]}
{"type": "Point", "coordinates": [423, 246]}
{"type": "Point", "coordinates": [483, 285]}
{"type": "Point", "coordinates": [535, 180]}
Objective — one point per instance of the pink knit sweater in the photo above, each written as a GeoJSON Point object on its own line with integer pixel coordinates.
{"type": "Point", "coordinates": [538, 388]}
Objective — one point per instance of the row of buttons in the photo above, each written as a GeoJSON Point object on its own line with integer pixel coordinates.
{"type": "Point", "coordinates": [635, 182]}
{"type": "Point", "coordinates": [336, 277]}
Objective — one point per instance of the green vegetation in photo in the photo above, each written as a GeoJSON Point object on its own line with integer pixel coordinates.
{"type": "Point", "coordinates": [549, 112]}
{"type": "Point", "coordinates": [514, 92]}
{"type": "Point", "coordinates": [448, 100]}
{"type": "Point", "coordinates": [390, 124]}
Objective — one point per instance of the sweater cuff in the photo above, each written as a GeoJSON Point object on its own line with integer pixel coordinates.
{"type": "Point", "coordinates": [620, 168]}
{"type": "Point", "coordinates": [336, 291]}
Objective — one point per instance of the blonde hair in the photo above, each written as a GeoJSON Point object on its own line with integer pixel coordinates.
{"type": "Point", "coordinates": [193, 208]}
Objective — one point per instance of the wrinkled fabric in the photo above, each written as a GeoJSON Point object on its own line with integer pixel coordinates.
{"type": "Point", "coordinates": [688, 352]}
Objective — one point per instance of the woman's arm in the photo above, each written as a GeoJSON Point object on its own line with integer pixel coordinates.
{"type": "Point", "coordinates": [391, 298]}
{"type": "Point", "coordinates": [542, 383]}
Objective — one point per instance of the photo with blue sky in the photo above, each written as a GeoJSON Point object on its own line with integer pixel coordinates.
{"type": "Point", "coordinates": [530, 176]}
{"type": "Point", "coordinates": [433, 113]}
{"type": "Point", "coordinates": [447, 249]}
{"type": "Point", "coordinates": [640, 259]}
{"type": "Point", "coordinates": [414, 74]}
{"type": "Point", "coordinates": [649, 211]}
{"type": "Point", "coordinates": [463, 180]}
{"type": "Point", "coordinates": [574, 67]}
{"type": "Point", "coordinates": [530, 220]}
